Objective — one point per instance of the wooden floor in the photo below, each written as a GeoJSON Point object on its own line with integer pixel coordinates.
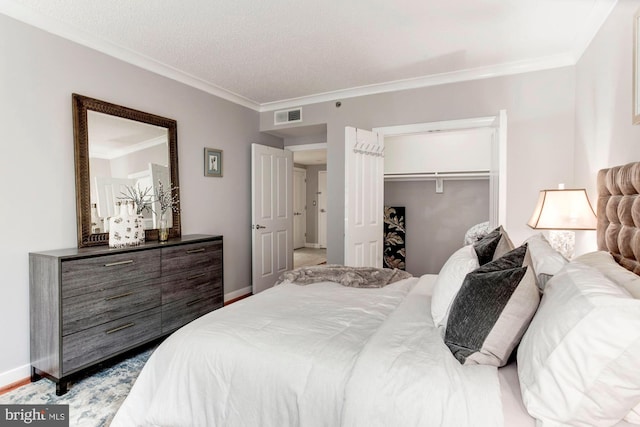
{"type": "Point", "coordinates": [13, 386]}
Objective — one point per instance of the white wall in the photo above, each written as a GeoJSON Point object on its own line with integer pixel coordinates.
{"type": "Point", "coordinates": [540, 108]}
{"type": "Point", "coordinates": [605, 135]}
{"type": "Point", "coordinates": [38, 74]}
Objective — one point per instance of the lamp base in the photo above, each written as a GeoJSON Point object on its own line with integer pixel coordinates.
{"type": "Point", "coordinates": [563, 241]}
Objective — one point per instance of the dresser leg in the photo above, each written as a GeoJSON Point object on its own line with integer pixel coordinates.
{"type": "Point", "coordinates": [35, 376]}
{"type": "Point", "coordinates": [61, 387]}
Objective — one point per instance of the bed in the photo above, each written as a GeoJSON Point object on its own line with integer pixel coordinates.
{"type": "Point", "coordinates": [420, 351]}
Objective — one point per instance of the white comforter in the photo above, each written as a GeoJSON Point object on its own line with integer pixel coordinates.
{"type": "Point", "coordinates": [315, 355]}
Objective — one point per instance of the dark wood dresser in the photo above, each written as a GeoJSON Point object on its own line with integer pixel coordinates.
{"type": "Point", "coordinates": [91, 304]}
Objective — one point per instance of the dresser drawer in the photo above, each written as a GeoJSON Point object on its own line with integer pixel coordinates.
{"type": "Point", "coordinates": [91, 345]}
{"type": "Point", "coordinates": [181, 312]}
{"type": "Point", "coordinates": [192, 257]}
{"type": "Point", "coordinates": [88, 310]}
{"type": "Point", "coordinates": [86, 275]}
{"type": "Point", "coordinates": [188, 284]}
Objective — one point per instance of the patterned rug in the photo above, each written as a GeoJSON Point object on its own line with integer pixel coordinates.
{"type": "Point", "coordinates": [93, 400]}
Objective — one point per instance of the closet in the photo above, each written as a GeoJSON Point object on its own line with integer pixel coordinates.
{"type": "Point", "coordinates": [440, 182]}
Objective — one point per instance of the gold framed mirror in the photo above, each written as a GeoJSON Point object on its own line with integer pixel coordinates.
{"type": "Point", "coordinates": [118, 147]}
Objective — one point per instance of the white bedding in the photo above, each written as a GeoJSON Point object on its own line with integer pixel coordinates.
{"type": "Point", "coordinates": [315, 355]}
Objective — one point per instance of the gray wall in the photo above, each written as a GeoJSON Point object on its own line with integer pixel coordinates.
{"type": "Point", "coordinates": [38, 74]}
{"type": "Point", "coordinates": [436, 222]}
{"type": "Point", "coordinates": [605, 135]}
{"type": "Point", "coordinates": [540, 108]}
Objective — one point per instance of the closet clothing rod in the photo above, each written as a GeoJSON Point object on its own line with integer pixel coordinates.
{"type": "Point", "coordinates": [432, 176]}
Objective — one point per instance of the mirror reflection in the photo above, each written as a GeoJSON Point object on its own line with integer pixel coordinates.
{"type": "Point", "coordinates": [123, 155]}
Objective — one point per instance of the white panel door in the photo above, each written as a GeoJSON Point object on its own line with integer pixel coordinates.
{"type": "Point", "coordinates": [299, 208]}
{"type": "Point", "coordinates": [364, 193]}
{"type": "Point", "coordinates": [271, 214]}
{"type": "Point", "coordinates": [322, 209]}
{"type": "Point", "coordinates": [109, 190]}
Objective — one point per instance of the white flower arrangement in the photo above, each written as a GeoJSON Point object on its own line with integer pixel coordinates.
{"type": "Point", "coordinates": [166, 199]}
{"type": "Point", "coordinates": [142, 199]}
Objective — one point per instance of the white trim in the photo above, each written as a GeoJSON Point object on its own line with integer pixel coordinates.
{"type": "Point", "coordinates": [14, 375]}
{"type": "Point", "coordinates": [594, 22]}
{"type": "Point", "coordinates": [307, 147]}
{"type": "Point", "coordinates": [81, 37]}
{"type": "Point", "coordinates": [312, 245]}
{"type": "Point", "coordinates": [113, 154]}
{"type": "Point", "coordinates": [526, 66]}
{"type": "Point", "coordinates": [584, 38]}
{"type": "Point", "coordinates": [449, 125]}
{"type": "Point", "coordinates": [235, 294]}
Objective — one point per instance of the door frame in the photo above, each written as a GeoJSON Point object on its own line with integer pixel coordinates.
{"type": "Point", "coordinates": [308, 147]}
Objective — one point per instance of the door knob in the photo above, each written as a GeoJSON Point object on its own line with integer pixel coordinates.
{"type": "Point", "coordinates": [323, 210]}
{"type": "Point", "coordinates": [258, 227]}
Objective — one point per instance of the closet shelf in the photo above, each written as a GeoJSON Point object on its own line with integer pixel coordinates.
{"type": "Point", "coordinates": [432, 176]}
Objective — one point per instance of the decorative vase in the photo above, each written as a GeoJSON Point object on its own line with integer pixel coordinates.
{"type": "Point", "coordinates": [163, 229]}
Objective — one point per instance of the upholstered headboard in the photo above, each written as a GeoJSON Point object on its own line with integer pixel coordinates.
{"type": "Point", "coordinates": [619, 214]}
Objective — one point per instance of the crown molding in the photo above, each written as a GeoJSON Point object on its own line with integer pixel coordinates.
{"type": "Point", "coordinates": [499, 70]}
{"type": "Point", "coordinates": [598, 15]}
{"type": "Point", "coordinates": [81, 37]}
{"type": "Point", "coordinates": [66, 31]}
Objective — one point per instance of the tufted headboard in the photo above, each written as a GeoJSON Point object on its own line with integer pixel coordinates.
{"type": "Point", "coordinates": [619, 214]}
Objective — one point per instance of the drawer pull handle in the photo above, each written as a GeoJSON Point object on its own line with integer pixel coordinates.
{"type": "Point", "coordinates": [195, 301]}
{"type": "Point", "coordinates": [111, 264]}
{"type": "Point", "coordinates": [119, 328]}
{"type": "Point", "coordinates": [195, 251]}
{"type": "Point", "coordinates": [196, 276]}
{"type": "Point", "coordinates": [118, 296]}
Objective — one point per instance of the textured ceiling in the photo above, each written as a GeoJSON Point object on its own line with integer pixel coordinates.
{"type": "Point", "coordinates": [270, 51]}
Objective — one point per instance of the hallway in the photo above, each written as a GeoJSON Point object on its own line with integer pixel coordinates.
{"type": "Point", "coordinates": [309, 256]}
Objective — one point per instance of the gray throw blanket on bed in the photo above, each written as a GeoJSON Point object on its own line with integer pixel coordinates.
{"type": "Point", "coordinates": [355, 277]}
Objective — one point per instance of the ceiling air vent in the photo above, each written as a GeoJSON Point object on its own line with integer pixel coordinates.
{"type": "Point", "coordinates": [288, 116]}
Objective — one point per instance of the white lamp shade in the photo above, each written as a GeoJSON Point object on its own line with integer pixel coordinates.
{"type": "Point", "coordinates": [563, 210]}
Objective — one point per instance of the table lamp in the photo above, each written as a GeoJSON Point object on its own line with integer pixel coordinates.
{"type": "Point", "coordinates": [563, 211]}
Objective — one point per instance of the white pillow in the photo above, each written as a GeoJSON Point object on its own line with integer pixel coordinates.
{"type": "Point", "coordinates": [578, 362]}
{"type": "Point", "coordinates": [546, 261]}
{"type": "Point", "coordinates": [604, 263]}
{"type": "Point", "coordinates": [449, 282]}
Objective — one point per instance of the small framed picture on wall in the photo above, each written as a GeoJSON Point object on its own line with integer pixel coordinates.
{"type": "Point", "coordinates": [212, 162]}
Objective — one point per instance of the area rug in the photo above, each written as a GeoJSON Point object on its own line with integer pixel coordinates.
{"type": "Point", "coordinates": [93, 400]}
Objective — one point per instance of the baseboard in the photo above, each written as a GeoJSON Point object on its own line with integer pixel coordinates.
{"type": "Point", "coordinates": [235, 294]}
{"type": "Point", "coordinates": [15, 375]}
{"type": "Point", "coordinates": [313, 245]}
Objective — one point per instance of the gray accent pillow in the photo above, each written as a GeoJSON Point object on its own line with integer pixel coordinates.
{"type": "Point", "coordinates": [493, 246]}
{"type": "Point", "coordinates": [493, 309]}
